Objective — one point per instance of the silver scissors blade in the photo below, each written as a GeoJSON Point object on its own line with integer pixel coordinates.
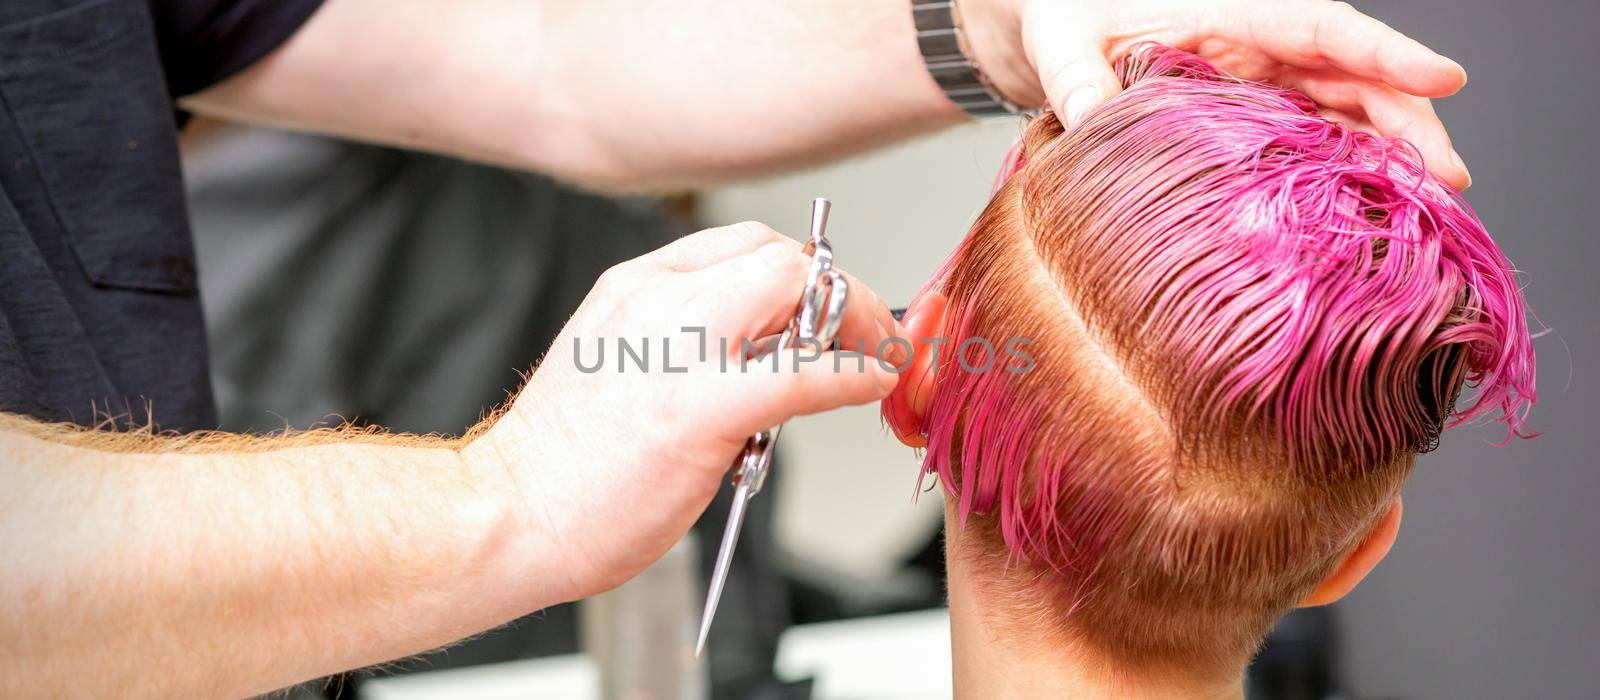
{"type": "Point", "coordinates": [816, 320]}
{"type": "Point", "coordinates": [719, 575]}
{"type": "Point", "coordinates": [749, 475]}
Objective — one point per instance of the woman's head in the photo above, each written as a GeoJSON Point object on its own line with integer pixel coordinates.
{"type": "Point", "coordinates": [1244, 322]}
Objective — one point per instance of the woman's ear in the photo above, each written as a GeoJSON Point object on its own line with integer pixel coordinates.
{"type": "Point", "coordinates": [906, 408]}
{"type": "Point", "coordinates": [1359, 562]}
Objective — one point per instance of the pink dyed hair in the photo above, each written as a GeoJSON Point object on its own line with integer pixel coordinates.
{"type": "Point", "coordinates": [1248, 320]}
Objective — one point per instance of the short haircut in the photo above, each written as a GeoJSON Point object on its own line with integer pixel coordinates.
{"type": "Point", "coordinates": [1246, 321]}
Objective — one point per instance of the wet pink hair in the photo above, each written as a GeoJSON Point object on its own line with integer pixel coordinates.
{"type": "Point", "coordinates": [1247, 320]}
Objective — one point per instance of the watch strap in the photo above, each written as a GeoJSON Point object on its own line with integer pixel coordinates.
{"type": "Point", "coordinates": [945, 54]}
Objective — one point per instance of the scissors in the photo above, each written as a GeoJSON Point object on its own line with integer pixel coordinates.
{"type": "Point", "coordinates": [815, 323]}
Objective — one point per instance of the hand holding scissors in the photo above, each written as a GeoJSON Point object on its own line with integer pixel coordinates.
{"type": "Point", "coordinates": [608, 465]}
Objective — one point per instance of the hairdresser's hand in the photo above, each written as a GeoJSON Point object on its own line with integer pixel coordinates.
{"type": "Point", "coordinates": [614, 464]}
{"type": "Point", "coordinates": [1361, 71]}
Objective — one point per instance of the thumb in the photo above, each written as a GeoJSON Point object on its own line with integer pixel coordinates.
{"type": "Point", "coordinates": [1071, 63]}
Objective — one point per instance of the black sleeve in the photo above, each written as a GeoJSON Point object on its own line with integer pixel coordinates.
{"type": "Point", "coordinates": [204, 42]}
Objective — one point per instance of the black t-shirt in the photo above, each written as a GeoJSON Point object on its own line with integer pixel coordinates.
{"type": "Point", "coordinates": [99, 312]}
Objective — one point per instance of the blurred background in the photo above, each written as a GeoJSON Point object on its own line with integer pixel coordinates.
{"type": "Point", "coordinates": [405, 290]}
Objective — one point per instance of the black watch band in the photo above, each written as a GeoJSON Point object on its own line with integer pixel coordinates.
{"type": "Point", "coordinates": [944, 53]}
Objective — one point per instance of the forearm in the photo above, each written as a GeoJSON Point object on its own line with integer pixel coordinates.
{"type": "Point", "coordinates": [228, 574]}
{"type": "Point", "coordinates": [630, 93]}
{"type": "Point", "coordinates": [716, 89]}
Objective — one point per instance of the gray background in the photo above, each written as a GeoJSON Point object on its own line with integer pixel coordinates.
{"type": "Point", "coordinates": [1490, 591]}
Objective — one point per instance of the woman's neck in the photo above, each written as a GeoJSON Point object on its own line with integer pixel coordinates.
{"type": "Point", "coordinates": [988, 664]}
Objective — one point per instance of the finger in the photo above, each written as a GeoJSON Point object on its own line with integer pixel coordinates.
{"type": "Point", "coordinates": [1354, 122]}
{"type": "Point", "coordinates": [867, 323]}
{"type": "Point", "coordinates": [1070, 59]}
{"type": "Point", "coordinates": [770, 391]}
{"type": "Point", "coordinates": [698, 251]}
{"type": "Point", "coordinates": [755, 295]}
{"type": "Point", "coordinates": [1318, 34]}
{"type": "Point", "coordinates": [752, 295]}
{"type": "Point", "coordinates": [1413, 119]}
{"type": "Point", "coordinates": [1391, 113]}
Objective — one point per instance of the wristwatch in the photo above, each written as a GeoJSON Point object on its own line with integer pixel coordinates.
{"type": "Point", "coordinates": [945, 54]}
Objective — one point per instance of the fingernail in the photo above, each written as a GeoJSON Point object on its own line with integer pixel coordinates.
{"type": "Point", "coordinates": [895, 355]}
{"type": "Point", "coordinates": [1456, 158]}
{"type": "Point", "coordinates": [1079, 101]}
